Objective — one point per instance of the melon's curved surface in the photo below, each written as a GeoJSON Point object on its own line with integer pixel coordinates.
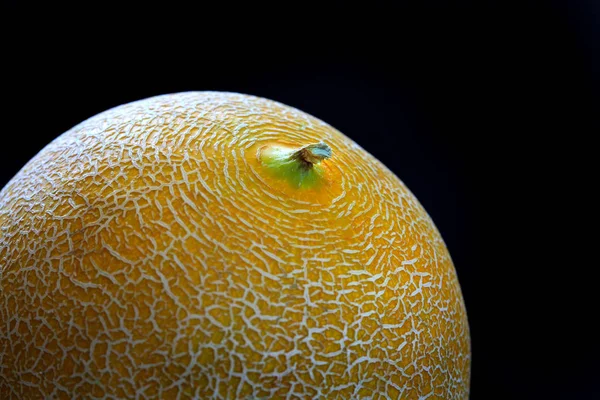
{"type": "Point", "coordinates": [144, 254]}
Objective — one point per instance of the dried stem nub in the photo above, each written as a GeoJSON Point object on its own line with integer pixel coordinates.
{"type": "Point", "coordinates": [312, 154]}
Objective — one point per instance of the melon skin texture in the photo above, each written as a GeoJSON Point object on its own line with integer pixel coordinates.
{"type": "Point", "coordinates": [147, 253]}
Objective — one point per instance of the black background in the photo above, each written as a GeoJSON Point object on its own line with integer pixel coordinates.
{"type": "Point", "coordinates": [486, 110]}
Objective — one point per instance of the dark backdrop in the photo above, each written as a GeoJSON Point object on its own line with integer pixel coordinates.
{"type": "Point", "coordinates": [485, 109]}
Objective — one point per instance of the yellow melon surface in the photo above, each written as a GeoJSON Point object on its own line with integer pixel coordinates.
{"type": "Point", "coordinates": [147, 254]}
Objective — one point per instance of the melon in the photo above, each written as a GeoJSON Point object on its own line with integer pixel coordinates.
{"type": "Point", "coordinates": [214, 245]}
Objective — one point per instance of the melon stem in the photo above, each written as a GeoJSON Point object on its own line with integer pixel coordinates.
{"type": "Point", "coordinates": [299, 167]}
{"type": "Point", "coordinates": [312, 154]}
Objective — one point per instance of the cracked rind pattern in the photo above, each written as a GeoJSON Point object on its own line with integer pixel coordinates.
{"type": "Point", "coordinates": [145, 255]}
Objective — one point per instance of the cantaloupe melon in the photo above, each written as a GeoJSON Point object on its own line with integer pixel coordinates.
{"type": "Point", "coordinates": [216, 246]}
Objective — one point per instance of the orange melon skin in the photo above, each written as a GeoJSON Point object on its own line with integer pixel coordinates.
{"type": "Point", "coordinates": [145, 254]}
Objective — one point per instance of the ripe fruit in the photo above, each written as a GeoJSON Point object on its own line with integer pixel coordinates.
{"type": "Point", "coordinates": [218, 245]}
